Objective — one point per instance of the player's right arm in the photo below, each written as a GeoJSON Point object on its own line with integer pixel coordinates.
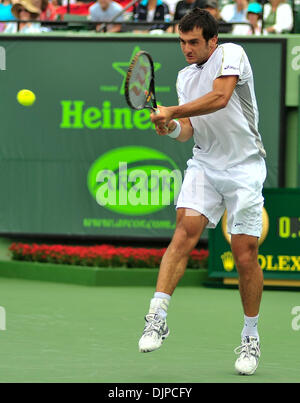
{"type": "Point", "coordinates": [186, 131]}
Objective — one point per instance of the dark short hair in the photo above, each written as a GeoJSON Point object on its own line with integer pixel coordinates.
{"type": "Point", "coordinates": [199, 18]}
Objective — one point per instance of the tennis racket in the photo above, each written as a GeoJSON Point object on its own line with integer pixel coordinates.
{"type": "Point", "coordinates": [139, 84]}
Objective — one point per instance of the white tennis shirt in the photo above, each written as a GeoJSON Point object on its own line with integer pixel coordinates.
{"type": "Point", "coordinates": [230, 135]}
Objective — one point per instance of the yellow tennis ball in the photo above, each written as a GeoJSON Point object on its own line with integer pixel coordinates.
{"type": "Point", "coordinates": [26, 97]}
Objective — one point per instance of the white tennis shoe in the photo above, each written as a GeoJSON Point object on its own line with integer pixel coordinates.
{"type": "Point", "coordinates": [249, 353]}
{"type": "Point", "coordinates": [155, 332]}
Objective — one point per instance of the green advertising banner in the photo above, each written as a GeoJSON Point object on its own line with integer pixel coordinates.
{"type": "Point", "coordinates": [298, 136]}
{"type": "Point", "coordinates": [279, 255]}
{"type": "Point", "coordinates": [293, 70]}
{"type": "Point", "coordinates": [79, 161]}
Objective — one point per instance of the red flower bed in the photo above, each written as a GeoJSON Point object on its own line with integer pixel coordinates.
{"type": "Point", "coordinates": [100, 256]}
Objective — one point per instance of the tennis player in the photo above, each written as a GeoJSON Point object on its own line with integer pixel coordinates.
{"type": "Point", "coordinates": [217, 107]}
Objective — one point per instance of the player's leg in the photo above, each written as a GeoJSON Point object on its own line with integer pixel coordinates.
{"type": "Point", "coordinates": [245, 252]}
{"type": "Point", "coordinates": [198, 205]}
{"type": "Point", "coordinates": [244, 201]}
{"type": "Point", "coordinates": [189, 228]}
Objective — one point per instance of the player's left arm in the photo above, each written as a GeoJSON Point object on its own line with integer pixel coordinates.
{"type": "Point", "coordinates": [186, 128]}
{"type": "Point", "coordinates": [214, 100]}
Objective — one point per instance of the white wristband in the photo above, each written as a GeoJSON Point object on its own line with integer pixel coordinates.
{"type": "Point", "coordinates": [176, 132]}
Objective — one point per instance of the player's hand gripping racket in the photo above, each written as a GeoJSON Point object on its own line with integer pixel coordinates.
{"type": "Point", "coordinates": [139, 85]}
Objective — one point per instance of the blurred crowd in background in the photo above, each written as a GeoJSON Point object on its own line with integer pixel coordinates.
{"type": "Point", "coordinates": [237, 17]}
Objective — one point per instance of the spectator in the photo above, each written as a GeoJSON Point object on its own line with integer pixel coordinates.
{"type": "Point", "coordinates": [24, 10]}
{"type": "Point", "coordinates": [254, 17]}
{"type": "Point", "coordinates": [172, 6]}
{"type": "Point", "coordinates": [183, 6]}
{"type": "Point", "coordinates": [5, 13]}
{"type": "Point", "coordinates": [151, 11]}
{"type": "Point", "coordinates": [104, 11]}
{"type": "Point", "coordinates": [235, 12]}
{"type": "Point", "coordinates": [48, 10]}
{"type": "Point", "coordinates": [212, 7]}
{"type": "Point", "coordinates": [278, 17]}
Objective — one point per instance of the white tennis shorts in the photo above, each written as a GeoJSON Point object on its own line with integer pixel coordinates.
{"type": "Point", "coordinates": [238, 189]}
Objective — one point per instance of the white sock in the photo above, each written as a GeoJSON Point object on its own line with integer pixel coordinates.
{"type": "Point", "coordinates": [250, 326]}
{"type": "Point", "coordinates": [159, 304]}
{"type": "Point", "coordinates": [162, 295]}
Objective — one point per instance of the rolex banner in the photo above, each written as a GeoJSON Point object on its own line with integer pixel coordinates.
{"type": "Point", "coordinates": [279, 254]}
{"type": "Point", "coordinates": [79, 161]}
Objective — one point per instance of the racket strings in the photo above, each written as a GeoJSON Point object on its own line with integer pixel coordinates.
{"type": "Point", "coordinates": [139, 81]}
